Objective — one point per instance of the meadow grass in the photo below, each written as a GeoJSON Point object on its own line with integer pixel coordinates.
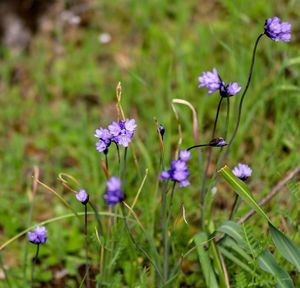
{"type": "Point", "coordinates": [57, 94]}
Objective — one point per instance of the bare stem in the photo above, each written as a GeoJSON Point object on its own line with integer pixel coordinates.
{"type": "Point", "coordinates": [34, 263]}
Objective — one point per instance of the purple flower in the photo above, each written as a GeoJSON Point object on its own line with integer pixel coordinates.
{"type": "Point", "coordinates": [82, 196]}
{"type": "Point", "coordinates": [277, 30]}
{"type": "Point", "coordinates": [210, 80]}
{"type": "Point", "coordinates": [185, 155]}
{"type": "Point", "coordinates": [178, 171]}
{"type": "Point", "coordinates": [217, 142]}
{"type": "Point", "coordinates": [242, 171]}
{"type": "Point", "coordinates": [105, 139]}
{"type": "Point", "coordinates": [213, 82]}
{"type": "Point", "coordinates": [232, 88]}
{"type": "Point", "coordinates": [38, 236]}
{"type": "Point", "coordinates": [114, 193]}
{"type": "Point", "coordinates": [122, 131]}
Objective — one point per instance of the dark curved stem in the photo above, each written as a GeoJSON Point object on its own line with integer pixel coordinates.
{"type": "Point", "coordinates": [34, 263]}
{"type": "Point", "coordinates": [86, 248]}
{"type": "Point", "coordinates": [137, 245]}
{"type": "Point", "coordinates": [245, 91]}
{"type": "Point", "coordinates": [202, 192]}
{"type": "Point", "coordinates": [124, 167]}
{"type": "Point", "coordinates": [106, 161]}
{"type": "Point", "coordinates": [198, 146]}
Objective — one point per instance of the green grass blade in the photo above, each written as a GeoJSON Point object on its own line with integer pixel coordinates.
{"type": "Point", "coordinates": [208, 272]}
{"type": "Point", "coordinates": [268, 263]}
{"type": "Point", "coordinates": [242, 190]}
{"type": "Point", "coordinates": [285, 246]}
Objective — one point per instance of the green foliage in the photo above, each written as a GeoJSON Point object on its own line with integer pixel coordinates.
{"type": "Point", "coordinates": [54, 95]}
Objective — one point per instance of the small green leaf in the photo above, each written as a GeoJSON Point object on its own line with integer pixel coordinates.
{"type": "Point", "coordinates": [232, 229]}
{"type": "Point", "coordinates": [242, 190]}
{"type": "Point", "coordinates": [285, 246]}
{"type": "Point", "coordinates": [209, 274]}
{"type": "Point", "coordinates": [268, 263]}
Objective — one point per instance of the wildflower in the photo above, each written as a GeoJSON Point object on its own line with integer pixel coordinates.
{"type": "Point", "coordinates": [210, 80]}
{"type": "Point", "coordinates": [277, 30]}
{"type": "Point", "coordinates": [122, 131]}
{"type": "Point", "coordinates": [217, 142]}
{"type": "Point", "coordinates": [242, 171]}
{"type": "Point", "coordinates": [114, 193]}
{"type": "Point", "coordinates": [105, 139]}
{"type": "Point", "coordinates": [213, 82]}
{"type": "Point", "coordinates": [178, 171]}
{"type": "Point", "coordinates": [82, 196]}
{"type": "Point", "coordinates": [232, 88]}
{"type": "Point", "coordinates": [38, 236]}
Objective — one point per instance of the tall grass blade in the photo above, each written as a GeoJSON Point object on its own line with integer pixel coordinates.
{"type": "Point", "coordinates": [242, 190]}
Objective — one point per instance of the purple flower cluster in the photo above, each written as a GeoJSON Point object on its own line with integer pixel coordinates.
{"type": "Point", "coordinates": [120, 133]}
{"type": "Point", "coordinates": [114, 193]}
{"type": "Point", "coordinates": [213, 82]}
{"type": "Point", "coordinates": [38, 236]}
{"type": "Point", "coordinates": [178, 171]}
{"type": "Point", "coordinates": [242, 171]}
{"type": "Point", "coordinates": [82, 196]}
{"type": "Point", "coordinates": [277, 30]}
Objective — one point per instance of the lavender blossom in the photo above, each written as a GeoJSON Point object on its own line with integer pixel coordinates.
{"type": "Point", "coordinates": [277, 30]}
{"type": "Point", "coordinates": [210, 80]}
{"type": "Point", "coordinates": [38, 236]}
{"type": "Point", "coordinates": [242, 171]}
{"type": "Point", "coordinates": [178, 171]}
{"type": "Point", "coordinates": [114, 193]}
{"type": "Point", "coordinates": [105, 139]}
{"type": "Point", "coordinates": [232, 88]}
{"type": "Point", "coordinates": [213, 82]}
{"type": "Point", "coordinates": [82, 196]}
{"type": "Point", "coordinates": [122, 131]}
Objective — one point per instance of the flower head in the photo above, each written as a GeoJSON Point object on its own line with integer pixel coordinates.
{"type": "Point", "coordinates": [213, 82]}
{"type": "Point", "coordinates": [122, 131]}
{"type": "Point", "coordinates": [233, 88]}
{"type": "Point", "coordinates": [82, 196]}
{"type": "Point", "coordinates": [178, 171]}
{"type": "Point", "coordinates": [217, 142]}
{"type": "Point", "coordinates": [277, 30]}
{"type": "Point", "coordinates": [38, 236]}
{"type": "Point", "coordinates": [242, 171]}
{"type": "Point", "coordinates": [210, 80]}
{"type": "Point", "coordinates": [114, 193]}
{"type": "Point", "coordinates": [105, 139]}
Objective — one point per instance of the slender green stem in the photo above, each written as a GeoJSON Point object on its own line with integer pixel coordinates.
{"type": "Point", "coordinates": [137, 245]}
{"type": "Point", "coordinates": [245, 91]}
{"type": "Point", "coordinates": [233, 208]}
{"type": "Point", "coordinates": [163, 213]}
{"type": "Point", "coordinates": [106, 161]}
{"type": "Point", "coordinates": [34, 263]}
{"type": "Point", "coordinates": [166, 236]}
{"type": "Point", "coordinates": [124, 167]}
{"type": "Point", "coordinates": [86, 248]}
{"type": "Point", "coordinates": [119, 159]}
{"type": "Point", "coordinates": [202, 191]}
{"type": "Point", "coordinates": [97, 216]}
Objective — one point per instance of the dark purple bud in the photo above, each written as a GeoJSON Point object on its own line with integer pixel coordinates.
{"type": "Point", "coordinates": [217, 142]}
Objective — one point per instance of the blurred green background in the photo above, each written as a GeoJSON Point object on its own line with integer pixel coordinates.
{"type": "Point", "coordinates": [58, 85]}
